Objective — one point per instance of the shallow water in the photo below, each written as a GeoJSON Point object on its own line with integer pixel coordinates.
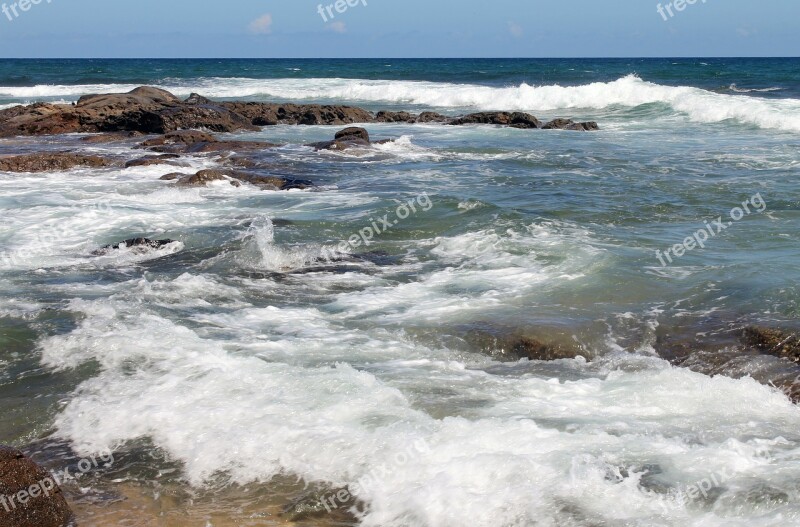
{"type": "Point", "coordinates": [239, 355]}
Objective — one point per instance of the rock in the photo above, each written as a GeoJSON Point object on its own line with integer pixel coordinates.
{"type": "Point", "coordinates": [144, 109]}
{"type": "Point", "coordinates": [110, 137]}
{"type": "Point", "coordinates": [44, 162]}
{"type": "Point", "coordinates": [515, 119]}
{"type": "Point", "coordinates": [172, 176]}
{"type": "Point", "coordinates": [180, 137]}
{"type": "Point", "coordinates": [195, 98]}
{"type": "Point", "coordinates": [524, 120]}
{"type": "Point", "coordinates": [773, 342]}
{"type": "Point", "coordinates": [151, 160]}
{"type": "Point", "coordinates": [142, 244]}
{"type": "Point", "coordinates": [269, 114]}
{"type": "Point", "coordinates": [203, 177]}
{"type": "Point", "coordinates": [229, 146]}
{"type": "Point", "coordinates": [431, 117]}
{"type": "Point", "coordinates": [352, 133]}
{"type": "Point", "coordinates": [512, 345]}
{"type": "Point", "coordinates": [29, 495]}
{"type": "Point", "coordinates": [569, 124]}
{"type": "Point", "coordinates": [395, 117]}
{"type": "Point", "coordinates": [340, 145]}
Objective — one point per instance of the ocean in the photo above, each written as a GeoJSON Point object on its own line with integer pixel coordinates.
{"type": "Point", "coordinates": [240, 379]}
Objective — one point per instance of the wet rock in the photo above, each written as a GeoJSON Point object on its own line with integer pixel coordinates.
{"type": "Point", "coordinates": [179, 137]}
{"type": "Point", "coordinates": [111, 137]}
{"type": "Point", "coordinates": [511, 345]}
{"type": "Point", "coordinates": [340, 145]}
{"type": "Point", "coordinates": [44, 162]}
{"type": "Point", "coordinates": [204, 177]}
{"type": "Point", "coordinates": [432, 117]}
{"type": "Point", "coordinates": [151, 160]}
{"type": "Point", "coordinates": [195, 98]}
{"type": "Point", "coordinates": [29, 495]}
{"type": "Point", "coordinates": [269, 114]}
{"type": "Point", "coordinates": [145, 109]}
{"type": "Point", "coordinates": [515, 119]}
{"type": "Point", "coordinates": [142, 244]}
{"type": "Point", "coordinates": [229, 146]}
{"type": "Point", "coordinates": [352, 133]}
{"type": "Point", "coordinates": [332, 504]}
{"type": "Point", "coordinates": [773, 342]}
{"type": "Point", "coordinates": [569, 124]}
{"type": "Point", "coordinates": [172, 176]}
{"type": "Point", "coordinates": [395, 117]}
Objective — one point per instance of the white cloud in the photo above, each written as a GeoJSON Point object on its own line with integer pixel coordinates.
{"type": "Point", "coordinates": [261, 25]}
{"type": "Point", "coordinates": [515, 30]}
{"type": "Point", "coordinates": [339, 27]}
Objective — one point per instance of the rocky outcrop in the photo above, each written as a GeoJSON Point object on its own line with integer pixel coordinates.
{"type": "Point", "coordinates": [29, 494]}
{"type": "Point", "coordinates": [44, 162]}
{"type": "Point", "coordinates": [269, 114]}
{"type": "Point", "coordinates": [154, 111]}
{"type": "Point", "coordinates": [773, 342]}
{"type": "Point", "coordinates": [345, 139]}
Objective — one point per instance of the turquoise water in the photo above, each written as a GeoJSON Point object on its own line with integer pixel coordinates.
{"type": "Point", "coordinates": [241, 343]}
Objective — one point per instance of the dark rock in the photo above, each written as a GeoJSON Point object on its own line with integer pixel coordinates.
{"type": "Point", "coordinates": [512, 345]}
{"type": "Point", "coordinates": [29, 494]}
{"type": "Point", "coordinates": [524, 120]}
{"type": "Point", "coordinates": [143, 243]}
{"type": "Point", "coordinates": [195, 98]}
{"type": "Point", "coordinates": [432, 117]}
{"type": "Point", "coordinates": [179, 137]}
{"type": "Point", "coordinates": [44, 162]}
{"type": "Point", "coordinates": [395, 117]}
{"type": "Point", "coordinates": [172, 176]}
{"type": "Point", "coordinates": [229, 146]}
{"type": "Point", "coordinates": [352, 133]}
{"type": "Point", "coordinates": [268, 114]}
{"type": "Point", "coordinates": [569, 124]}
{"type": "Point", "coordinates": [151, 160]}
{"type": "Point", "coordinates": [773, 342]}
{"type": "Point", "coordinates": [110, 137]}
{"type": "Point", "coordinates": [203, 178]}
{"type": "Point", "coordinates": [340, 145]}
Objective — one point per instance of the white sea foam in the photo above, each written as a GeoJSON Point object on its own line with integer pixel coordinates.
{"type": "Point", "coordinates": [630, 91]}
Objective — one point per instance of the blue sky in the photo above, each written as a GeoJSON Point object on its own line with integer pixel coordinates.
{"type": "Point", "coordinates": [398, 28]}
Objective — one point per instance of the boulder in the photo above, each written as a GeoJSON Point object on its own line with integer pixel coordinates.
{"type": "Point", "coordinates": [45, 162]}
{"type": "Point", "coordinates": [179, 137]}
{"type": "Point", "coordinates": [352, 133]}
{"type": "Point", "coordinates": [269, 114]}
{"type": "Point", "coordinates": [29, 494]}
{"type": "Point", "coordinates": [506, 344]}
{"type": "Point", "coordinates": [203, 178]}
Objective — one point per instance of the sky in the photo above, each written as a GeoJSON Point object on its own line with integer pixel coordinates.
{"type": "Point", "coordinates": [397, 28]}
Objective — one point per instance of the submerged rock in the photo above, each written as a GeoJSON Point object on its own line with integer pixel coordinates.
{"type": "Point", "coordinates": [138, 244]}
{"type": "Point", "coordinates": [773, 342]}
{"type": "Point", "coordinates": [203, 178]}
{"type": "Point", "coordinates": [29, 494]}
{"type": "Point", "coordinates": [45, 162]}
{"type": "Point", "coordinates": [569, 124]}
{"type": "Point", "coordinates": [513, 345]}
